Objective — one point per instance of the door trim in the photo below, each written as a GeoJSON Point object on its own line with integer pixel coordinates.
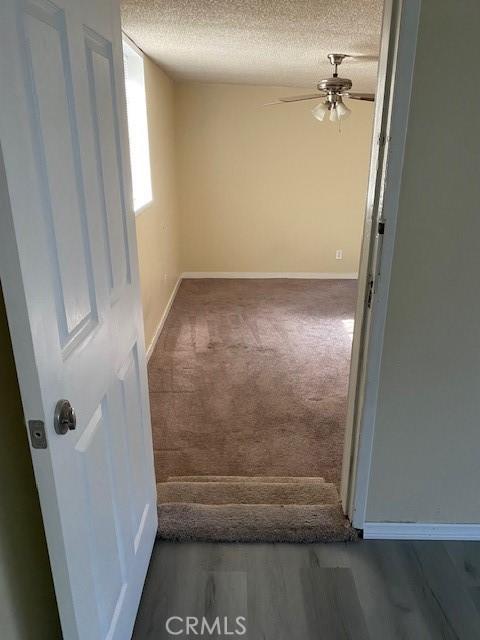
{"type": "Point", "coordinates": [392, 117]}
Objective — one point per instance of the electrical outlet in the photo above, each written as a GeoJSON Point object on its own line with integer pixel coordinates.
{"type": "Point", "coordinates": [339, 254]}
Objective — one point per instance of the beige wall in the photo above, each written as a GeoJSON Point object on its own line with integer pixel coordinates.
{"type": "Point", "coordinates": [425, 463]}
{"type": "Point", "coordinates": [28, 608]}
{"type": "Point", "coordinates": [268, 189]}
{"type": "Point", "coordinates": [157, 224]}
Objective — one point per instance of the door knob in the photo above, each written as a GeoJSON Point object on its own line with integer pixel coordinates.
{"type": "Point", "coordinates": [64, 419]}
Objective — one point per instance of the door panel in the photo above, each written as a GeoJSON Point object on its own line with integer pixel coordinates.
{"type": "Point", "coordinates": [105, 118]}
{"type": "Point", "coordinates": [136, 441]}
{"type": "Point", "coordinates": [57, 138]}
{"type": "Point", "coordinates": [104, 536]}
{"type": "Point", "coordinates": [70, 278]}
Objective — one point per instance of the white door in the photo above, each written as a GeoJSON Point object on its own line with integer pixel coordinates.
{"type": "Point", "coordinates": [68, 267]}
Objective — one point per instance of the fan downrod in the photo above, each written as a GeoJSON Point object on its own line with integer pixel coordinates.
{"type": "Point", "coordinates": [335, 60]}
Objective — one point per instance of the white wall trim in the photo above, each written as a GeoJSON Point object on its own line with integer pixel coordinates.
{"type": "Point", "coordinates": [303, 275]}
{"type": "Point", "coordinates": [397, 132]}
{"type": "Point", "coordinates": [165, 313]}
{"type": "Point", "coordinates": [370, 249]}
{"type": "Point", "coordinates": [420, 531]}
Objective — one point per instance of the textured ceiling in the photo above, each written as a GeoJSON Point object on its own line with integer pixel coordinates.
{"type": "Point", "coordinates": [272, 42]}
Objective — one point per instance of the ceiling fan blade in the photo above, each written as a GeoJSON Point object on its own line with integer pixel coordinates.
{"type": "Point", "coordinates": [369, 97]}
{"type": "Point", "coordinates": [362, 58]}
{"type": "Point", "coordinates": [312, 96]}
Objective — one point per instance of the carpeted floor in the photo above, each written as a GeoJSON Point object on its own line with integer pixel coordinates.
{"type": "Point", "coordinates": [249, 378]}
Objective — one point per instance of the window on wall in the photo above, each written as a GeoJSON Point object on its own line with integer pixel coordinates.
{"type": "Point", "coordinates": [137, 126]}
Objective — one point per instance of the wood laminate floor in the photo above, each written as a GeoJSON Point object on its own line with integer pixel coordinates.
{"type": "Point", "coordinates": [376, 590]}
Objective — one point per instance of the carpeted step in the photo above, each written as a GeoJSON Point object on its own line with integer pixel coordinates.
{"type": "Point", "coordinates": [263, 479]}
{"type": "Point", "coordinates": [251, 509]}
{"type": "Point", "coordinates": [253, 523]}
{"type": "Point", "coordinates": [265, 493]}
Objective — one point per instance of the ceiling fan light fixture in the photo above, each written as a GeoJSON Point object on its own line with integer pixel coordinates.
{"type": "Point", "coordinates": [333, 114]}
{"type": "Point", "coordinates": [342, 110]}
{"type": "Point", "coordinates": [333, 88]}
{"type": "Point", "coordinates": [320, 111]}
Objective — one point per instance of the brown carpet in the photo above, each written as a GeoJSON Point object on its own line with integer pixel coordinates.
{"type": "Point", "coordinates": [249, 378]}
{"type": "Point", "coordinates": [247, 493]}
{"type": "Point", "coordinates": [254, 523]}
{"type": "Point", "coordinates": [251, 509]}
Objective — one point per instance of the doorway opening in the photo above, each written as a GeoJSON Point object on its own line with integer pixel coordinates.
{"type": "Point", "coordinates": [249, 365]}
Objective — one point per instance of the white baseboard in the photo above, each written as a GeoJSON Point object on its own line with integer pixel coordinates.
{"type": "Point", "coordinates": [166, 311]}
{"type": "Point", "coordinates": [420, 531]}
{"type": "Point", "coordinates": [301, 275]}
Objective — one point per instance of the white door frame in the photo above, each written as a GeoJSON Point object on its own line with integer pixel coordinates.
{"type": "Point", "coordinates": [395, 77]}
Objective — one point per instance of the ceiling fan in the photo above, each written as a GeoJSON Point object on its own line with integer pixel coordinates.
{"type": "Point", "coordinates": [334, 89]}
